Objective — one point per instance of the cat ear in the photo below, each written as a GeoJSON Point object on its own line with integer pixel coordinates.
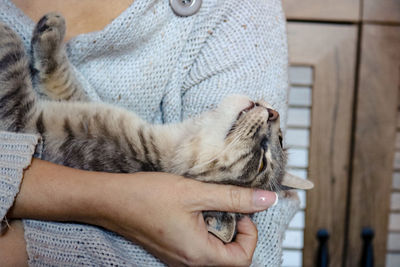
{"type": "Point", "coordinates": [294, 182]}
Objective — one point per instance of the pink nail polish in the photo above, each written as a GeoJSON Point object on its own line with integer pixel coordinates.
{"type": "Point", "coordinates": [265, 199]}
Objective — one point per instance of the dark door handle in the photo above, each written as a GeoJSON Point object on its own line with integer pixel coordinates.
{"type": "Point", "coordinates": [323, 253]}
{"type": "Point", "coordinates": [367, 257]}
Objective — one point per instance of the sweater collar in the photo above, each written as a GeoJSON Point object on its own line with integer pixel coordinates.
{"type": "Point", "coordinates": [117, 35]}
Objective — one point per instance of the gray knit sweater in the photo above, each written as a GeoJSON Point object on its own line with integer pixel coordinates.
{"type": "Point", "coordinates": [165, 68]}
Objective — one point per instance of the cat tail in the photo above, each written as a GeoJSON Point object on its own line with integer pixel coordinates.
{"type": "Point", "coordinates": [17, 98]}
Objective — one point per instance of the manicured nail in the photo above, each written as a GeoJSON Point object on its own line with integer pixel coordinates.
{"type": "Point", "coordinates": [276, 200]}
{"type": "Point", "coordinates": [265, 199]}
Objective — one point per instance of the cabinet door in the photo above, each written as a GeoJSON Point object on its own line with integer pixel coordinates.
{"type": "Point", "coordinates": [374, 149]}
{"type": "Point", "coordinates": [328, 52]}
{"type": "Point", "coordinates": [338, 10]}
{"type": "Point", "coordinates": [381, 11]}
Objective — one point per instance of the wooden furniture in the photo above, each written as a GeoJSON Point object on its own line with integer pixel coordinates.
{"type": "Point", "coordinates": [326, 10]}
{"type": "Point", "coordinates": [382, 11]}
{"type": "Point", "coordinates": [352, 50]}
{"type": "Point", "coordinates": [375, 141]}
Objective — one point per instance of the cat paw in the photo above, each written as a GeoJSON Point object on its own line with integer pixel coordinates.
{"type": "Point", "coordinates": [48, 36]}
{"type": "Point", "coordinates": [221, 224]}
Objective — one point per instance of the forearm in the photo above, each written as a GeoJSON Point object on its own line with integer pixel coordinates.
{"type": "Point", "coordinates": [51, 192]}
{"type": "Point", "coordinates": [48, 192]}
{"type": "Point", "coordinates": [57, 193]}
{"type": "Point", "coordinates": [13, 247]}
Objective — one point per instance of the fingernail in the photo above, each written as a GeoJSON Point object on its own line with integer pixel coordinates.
{"type": "Point", "coordinates": [276, 200]}
{"type": "Point", "coordinates": [265, 199]}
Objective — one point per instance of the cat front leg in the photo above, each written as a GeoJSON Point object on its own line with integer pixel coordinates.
{"type": "Point", "coordinates": [51, 70]}
{"type": "Point", "coordinates": [17, 98]}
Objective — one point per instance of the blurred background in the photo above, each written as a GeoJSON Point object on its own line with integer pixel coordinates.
{"type": "Point", "coordinates": [344, 131]}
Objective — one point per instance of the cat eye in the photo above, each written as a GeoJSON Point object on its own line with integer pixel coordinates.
{"type": "Point", "coordinates": [281, 140]}
{"type": "Point", "coordinates": [264, 148]}
{"type": "Point", "coordinates": [261, 167]}
{"type": "Point", "coordinates": [263, 163]}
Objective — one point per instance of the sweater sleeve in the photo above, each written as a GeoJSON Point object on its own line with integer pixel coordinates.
{"type": "Point", "coordinates": [16, 152]}
{"type": "Point", "coordinates": [246, 53]}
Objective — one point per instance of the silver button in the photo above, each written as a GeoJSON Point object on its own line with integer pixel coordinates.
{"type": "Point", "coordinates": [185, 8]}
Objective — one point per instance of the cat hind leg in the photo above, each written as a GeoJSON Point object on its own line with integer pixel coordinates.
{"type": "Point", "coordinates": [51, 69]}
{"type": "Point", "coordinates": [221, 224]}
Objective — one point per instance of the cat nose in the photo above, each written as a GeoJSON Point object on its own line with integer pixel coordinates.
{"type": "Point", "coordinates": [273, 115]}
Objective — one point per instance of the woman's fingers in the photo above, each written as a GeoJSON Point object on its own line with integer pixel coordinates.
{"type": "Point", "coordinates": [246, 237]}
{"type": "Point", "coordinates": [240, 252]}
{"type": "Point", "coordinates": [232, 198]}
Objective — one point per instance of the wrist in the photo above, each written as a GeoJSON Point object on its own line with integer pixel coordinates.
{"type": "Point", "coordinates": [132, 205]}
{"type": "Point", "coordinates": [117, 200]}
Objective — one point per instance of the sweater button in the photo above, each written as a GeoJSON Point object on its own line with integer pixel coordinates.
{"type": "Point", "coordinates": [185, 8]}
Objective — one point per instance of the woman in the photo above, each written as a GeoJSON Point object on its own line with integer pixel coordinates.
{"type": "Point", "coordinates": [165, 61]}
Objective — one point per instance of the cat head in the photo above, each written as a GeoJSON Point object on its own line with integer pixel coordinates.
{"type": "Point", "coordinates": [240, 142]}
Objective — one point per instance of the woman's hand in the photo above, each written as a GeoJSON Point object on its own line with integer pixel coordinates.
{"type": "Point", "coordinates": [161, 212]}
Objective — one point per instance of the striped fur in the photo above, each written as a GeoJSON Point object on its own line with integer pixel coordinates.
{"type": "Point", "coordinates": [237, 143]}
{"type": "Point", "coordinates": [17, 100]}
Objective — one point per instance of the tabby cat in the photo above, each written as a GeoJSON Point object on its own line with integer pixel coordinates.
{"type": "Point", "coordinates": [238, 143]}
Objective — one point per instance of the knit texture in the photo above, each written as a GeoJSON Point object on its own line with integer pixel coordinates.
{"type": "Point", "coordinates": [15, 155]}
{"type": "Point", "coordinates": [167, 68]}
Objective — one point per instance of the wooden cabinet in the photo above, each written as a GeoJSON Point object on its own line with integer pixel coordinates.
{"type": "Point", "coordinates": [334, 10]}
{"type": "Point", "coordinates": [344, 119]}
{"type": "Point", "coordinates": [329, 53]}
{"type": "Point", "coordinates": [375, 143]}
{"type": "Point", "coordinates": [382, 11]}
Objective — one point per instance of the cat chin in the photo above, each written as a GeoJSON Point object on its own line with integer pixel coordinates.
{"type": "Point", "coordinates": [232, 105]}
{"type": "Point", "coordinates": [223, 117]}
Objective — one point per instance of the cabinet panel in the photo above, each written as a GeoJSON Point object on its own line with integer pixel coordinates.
{"type": "Point", "coordinates": [340, 10]}
{"type": "Point", "coordinates": [330, 51]}
{"type": "Point", "coordinates": [382, 11]}
{"type": "Point", "coordinates": [375, 141]}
